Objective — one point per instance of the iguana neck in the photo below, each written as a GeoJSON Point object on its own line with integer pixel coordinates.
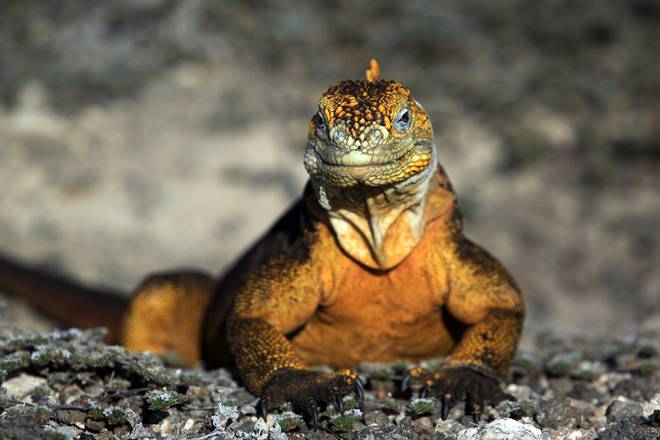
{"type": "Point", "coordinates": [379, 227]}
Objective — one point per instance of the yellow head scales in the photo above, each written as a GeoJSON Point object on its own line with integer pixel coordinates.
{"type": "Point", "coordinates": [358, 128]}
{"type": "Point", "coordinates": [359, 104]}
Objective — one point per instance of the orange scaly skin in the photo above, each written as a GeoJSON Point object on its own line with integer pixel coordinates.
{"type": "Point", "coordinates": [369, 265]}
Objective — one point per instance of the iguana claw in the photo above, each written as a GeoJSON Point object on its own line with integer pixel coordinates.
{"type": "Point", "coordinates": [262, 409]}
{"type": "Point", "coordinates": [314, 415]}
{"type": "Point", "coordinates": [339, 404]}
{"type": "Point", "coordinates": [358, 389]}
{"type": "Point", "coordinates": [455, 384]}
{"type": "Point", "coordinates": [447, 405]}
{"type": "Point", "coordinates": [307, 390]}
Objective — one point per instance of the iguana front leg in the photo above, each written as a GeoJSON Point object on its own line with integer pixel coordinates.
{"type": "Point", "coordinates": [271, 370]}
{"type": "Point", "coordinates": [279, 291]}
{"type": "Point", "coordinates": [485, 298]}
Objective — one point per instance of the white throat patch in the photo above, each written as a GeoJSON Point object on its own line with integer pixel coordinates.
{"type": "Point", "coordinates": [378, 228]}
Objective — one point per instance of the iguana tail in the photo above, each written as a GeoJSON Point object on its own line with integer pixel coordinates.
{"type": "Point", "coordinates": [63, 299]}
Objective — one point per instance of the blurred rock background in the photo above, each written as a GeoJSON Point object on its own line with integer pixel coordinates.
{"type": "Point", "coordinates": [141, 135]}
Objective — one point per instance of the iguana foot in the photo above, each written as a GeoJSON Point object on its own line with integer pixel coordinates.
{"type": "Point", "coordinates": [455, 384]}
{"type": "Point", "coordinates": [307, 390]}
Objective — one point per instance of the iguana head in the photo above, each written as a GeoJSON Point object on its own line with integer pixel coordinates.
{"type": "Point", "coordinates": [371, 159]}
{"type": "Point", "coordinates": [369, 132]}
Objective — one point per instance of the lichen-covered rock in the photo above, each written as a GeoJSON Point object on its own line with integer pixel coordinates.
{"type": "Point", "coordinates": [343, 422]}
{"type": "Point", "coordinates": [158, 400]}
{"type": "Point", "coordinates": [502, 429]}
{"type": "Point", "coordinates": [422, 406]}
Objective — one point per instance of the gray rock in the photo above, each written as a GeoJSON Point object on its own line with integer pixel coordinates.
{"type": "Point", "coordinates": [423, 426]}
{"type": "Point", "coordinates": [242, 397]}
{"type": "Point", "coordinates": [390, 432]}
{"type": "Point", "coordinates": [630, 429]}
{"type": "Point", "coordinates": [502, 429]}
{"type": "Point", "coordinates": [520, 392]}
{"type": "Point", "coordinates": [378, 418]}
{"type": "Point", "coordinates": [561, 386]}
{"type": "Point", "coordinates": [586, 392]}
{"type": "Point", "coordinates": [311, 435]}
{"type": "Point", "coordinates": [19, 387]}
{"type": "Point", "coordinates": [515, 410]}
{"type": "Point", "coordinates": [72, 417]}
{"type": "Point", "coordinates": [558, 412]}
{"type": "Point", "coordinates": [448, 427]}
{"type": "Point", "coordinates": [630, 388]}
{"type": "Point", "coordinates": [620, 410]}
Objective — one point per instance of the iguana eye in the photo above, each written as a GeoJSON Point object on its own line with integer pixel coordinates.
{"type": "Point", "coordinates": [321, 126]}
{"type": "Point", "coordinates": [402, 120]}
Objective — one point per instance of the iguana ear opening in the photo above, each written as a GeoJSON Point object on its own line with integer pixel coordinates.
{"type": "Point", "coordinates": [373, 72]}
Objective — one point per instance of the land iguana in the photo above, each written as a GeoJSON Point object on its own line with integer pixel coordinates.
{"type": "Point", "coordinates": [371, 264]}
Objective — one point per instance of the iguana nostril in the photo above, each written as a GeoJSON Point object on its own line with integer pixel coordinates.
{"type": "Point", "coordinates": [376, 135]}
{"type": "Point", "coordinates": [338, 135]}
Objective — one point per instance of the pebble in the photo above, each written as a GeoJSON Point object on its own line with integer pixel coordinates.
{"type": "Point", "coordinates": [422, 426]}
{"type": "Point", "coordinates": [558, 412]}
{"type": "Point", "coordinates": [631, 428]}
{"type": "Point", "coordinates": [630, 389]}
{"type": "Point", "coordinates": [448, 426]}
{"type": "Point", "coordinates": [502, 429]}
{"type": "Point", "coordinates": [572, 434]}
{"type": "Point", "coordinates": [520, 392]}
{"type": "Point", "coordinates": [72, 417]}
{"type": "Point", "coordinates": [377, 418]}
{"type": "Point", "coordinates": [386, 433]}
{"type": "Point", "coordinates": [188, 426]}
{"type": "Point", "coordinates": [623, 409]}
{"type": "Point", "coordinates": [561, 386]}
{"type": "Point", "coordinates": [19, 387]}
{"type": "Point", "coordinates": [586, 392]}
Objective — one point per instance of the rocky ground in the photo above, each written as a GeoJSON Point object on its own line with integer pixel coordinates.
{"type": "Point", "coordinates": [68, 384]}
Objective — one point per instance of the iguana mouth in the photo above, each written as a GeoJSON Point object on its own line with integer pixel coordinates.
{"type": "Point", "coordinates": [383, 167]}
{"type": "Point", "coordinates": [381, 156]}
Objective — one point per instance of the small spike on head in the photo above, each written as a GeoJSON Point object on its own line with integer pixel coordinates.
{"type": "Point", "coordinates": [373, 72]}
